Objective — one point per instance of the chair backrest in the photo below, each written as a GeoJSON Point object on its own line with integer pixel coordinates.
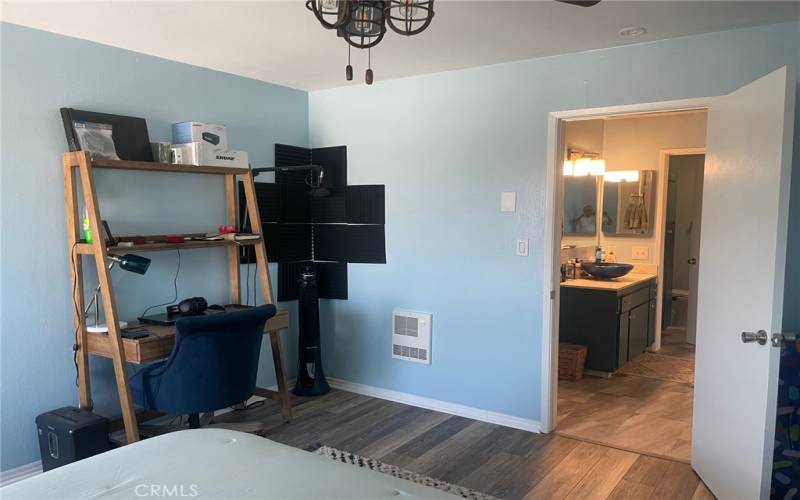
{"type": "Point", "coordinates": [214, 362]}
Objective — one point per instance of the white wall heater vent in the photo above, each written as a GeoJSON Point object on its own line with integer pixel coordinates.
{"type": "Point", "coordinates": [411, 336]}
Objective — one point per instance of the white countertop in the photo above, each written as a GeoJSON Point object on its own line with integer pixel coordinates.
{"type": "Point", "coordinates": [616, 284]}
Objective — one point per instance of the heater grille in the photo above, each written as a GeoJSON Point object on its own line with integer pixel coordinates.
{"type": "Point", "coordinates": [411, 336]}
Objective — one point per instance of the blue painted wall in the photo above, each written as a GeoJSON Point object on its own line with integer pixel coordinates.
{"type": "Point", "coordinates": [446, 145]}
{"type": "Point", "coordinates": [42, 72]}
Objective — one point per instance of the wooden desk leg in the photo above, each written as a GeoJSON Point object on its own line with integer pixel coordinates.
{"type": "Point", "coordinates": [108, 299]}
{"type": "Point", "coordinates": [76, 278]}
{"type": "Point", "coordinates": [280, 375]}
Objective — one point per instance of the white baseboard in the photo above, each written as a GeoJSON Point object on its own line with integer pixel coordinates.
{"type": "Point", "coordinates": [11, 476]}
{"type": "Point", "coordinates": [491, 417]}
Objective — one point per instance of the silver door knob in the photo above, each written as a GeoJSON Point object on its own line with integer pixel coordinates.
{"type": "Point", "coordinates": [760, 336]}
{"type": "Point", "coordinates": [692, 261]}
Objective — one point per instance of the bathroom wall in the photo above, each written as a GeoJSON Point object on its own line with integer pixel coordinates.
{"type": "Point", "coordinates": [635, 144]}
{"type": "Point", "coordinates": [628, 143]}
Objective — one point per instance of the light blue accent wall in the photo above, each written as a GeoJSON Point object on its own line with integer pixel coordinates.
{"type": "Point", "coordinates": [446, 145]}
{"type": "Point", "coordinates": [42, 72]}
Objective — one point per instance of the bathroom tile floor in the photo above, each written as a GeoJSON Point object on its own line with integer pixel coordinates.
{"type": "Point", "coordinates": [644, 415]}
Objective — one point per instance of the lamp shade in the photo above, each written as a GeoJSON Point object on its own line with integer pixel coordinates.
{"type": "Point", "coordinates": [409, 17]}
{"type": "Point", "coordinates": [131, 262]}
{"type": "Point", "coordinates": [366, 25]}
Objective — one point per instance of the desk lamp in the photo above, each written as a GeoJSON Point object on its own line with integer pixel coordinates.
{"type": "Point", "coordinates": [128, 262]}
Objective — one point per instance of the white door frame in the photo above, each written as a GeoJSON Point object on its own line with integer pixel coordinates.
{"type": "Point", "coordinates": [661, 225]}
{"type": "Point", "coordinates": [553, 217]}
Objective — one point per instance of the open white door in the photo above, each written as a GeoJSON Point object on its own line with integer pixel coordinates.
{"type": "Point", "coordinates": [743, 247]}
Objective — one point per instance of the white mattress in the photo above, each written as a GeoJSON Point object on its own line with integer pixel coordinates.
{"type": "Point", "coordinates": [213, 463]}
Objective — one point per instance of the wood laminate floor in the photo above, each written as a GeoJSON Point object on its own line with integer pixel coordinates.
{"type": "Point", "coordinates": [638, 414]}
{"type": "Point", "coordinates": [504, 462]}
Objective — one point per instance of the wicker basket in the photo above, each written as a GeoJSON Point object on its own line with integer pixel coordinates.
{"type": "Point", "coordinates": [571, 358]}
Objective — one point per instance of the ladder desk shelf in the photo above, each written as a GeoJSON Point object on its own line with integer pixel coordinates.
{"type": "Point", "coordinates": [79, 168]}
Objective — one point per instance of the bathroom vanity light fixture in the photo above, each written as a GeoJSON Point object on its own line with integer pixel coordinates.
{"type": "Point", "coordinates": [621, 176]}
{"type": "Point", "coordinates": [581, 163]}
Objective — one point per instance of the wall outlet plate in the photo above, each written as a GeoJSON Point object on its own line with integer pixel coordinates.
{"type": "Point", "coordinates": [640, 253]}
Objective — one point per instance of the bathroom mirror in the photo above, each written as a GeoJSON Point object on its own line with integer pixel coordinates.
{"type": "Point", "coordinates": [580, 203]}
{"type": "Point", "coordinates": [629, 206]}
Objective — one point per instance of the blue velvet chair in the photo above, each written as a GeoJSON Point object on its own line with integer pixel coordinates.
{"type": "Point", "coordinates": [213, 365]}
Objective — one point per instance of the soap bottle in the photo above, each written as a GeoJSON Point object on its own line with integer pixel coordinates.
{"type": "Point", "coordinates": [611, 257]}
{"type": "Point", "coordinates": [598, 255]}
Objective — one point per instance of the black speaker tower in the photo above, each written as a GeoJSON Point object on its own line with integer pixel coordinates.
{"type": "Point", "coordinates": [310, 376]}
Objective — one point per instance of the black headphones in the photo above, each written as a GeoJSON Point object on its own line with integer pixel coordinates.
{"type": "Point", "coordinates": [189, 307]}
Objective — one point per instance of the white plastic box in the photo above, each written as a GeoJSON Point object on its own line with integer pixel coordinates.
{"type": "Point", "coordinates": [216, 136]}
{"type": "Point", "coordinates": [202, 153]}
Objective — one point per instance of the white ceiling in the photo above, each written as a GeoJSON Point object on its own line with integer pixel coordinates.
{"type": "Point", "coordinates": [281, 42]}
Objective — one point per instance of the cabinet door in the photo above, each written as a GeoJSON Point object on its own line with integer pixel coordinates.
{"type": "Point", "coordinates": [637, 330]}
{"type": "Point", "coordinates": [623, 339]}
{"type": "Point", "coordinates": [651, 324]}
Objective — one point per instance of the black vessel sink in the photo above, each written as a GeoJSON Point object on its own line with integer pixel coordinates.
{"type": "Point", "coordinates": [606, 270]}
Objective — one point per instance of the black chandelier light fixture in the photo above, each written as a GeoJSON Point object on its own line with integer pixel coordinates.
{"type": "Point", "coordinates": [362, 23]}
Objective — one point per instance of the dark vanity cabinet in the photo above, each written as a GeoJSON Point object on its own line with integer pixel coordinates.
{"type": "Point", "coordinates": [615, 325]}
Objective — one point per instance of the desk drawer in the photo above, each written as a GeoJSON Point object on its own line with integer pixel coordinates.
{"type": "Point", "coordinates": [158, 344]}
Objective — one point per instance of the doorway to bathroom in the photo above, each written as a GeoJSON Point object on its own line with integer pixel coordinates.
{"type": "Point", "coordinates": [748, 165]}
{"type": "Point", "coordinates": [631, 210]}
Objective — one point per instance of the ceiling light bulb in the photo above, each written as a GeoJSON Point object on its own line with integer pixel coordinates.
{"type": "Point", "coordinates": [332, 5]}
{"type": "Point", "coordinates": [363, 18]}
{"type": "Point", "coordinates": [408, 9]}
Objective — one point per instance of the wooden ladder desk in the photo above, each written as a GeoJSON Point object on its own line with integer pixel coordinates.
{"type": "Point", "coordinates": [159, 343]}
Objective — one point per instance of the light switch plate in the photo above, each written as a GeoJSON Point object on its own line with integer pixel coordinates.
{"type": "Point", "coordinates": [522, 248]}
{"type": "Point", "coordinates": [640, 253]}
{"type": "Point", "coordinates": [508, 201]}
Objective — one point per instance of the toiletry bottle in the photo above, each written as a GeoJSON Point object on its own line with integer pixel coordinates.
{"type": "Point", "coordinates": [611, 257]}
{"type": "Point", "coordinates": [86, 227]}
{"type": "Point", "coordinates": [598, 255]}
